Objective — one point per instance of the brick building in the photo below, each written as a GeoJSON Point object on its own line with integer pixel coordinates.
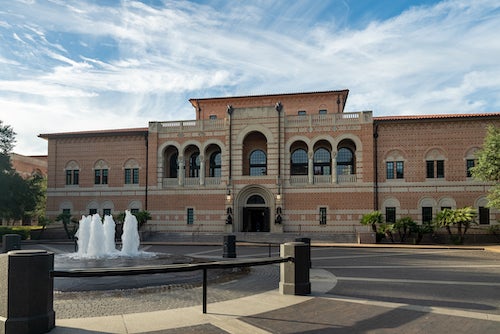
{"type": "Point", "coordinates": [280, 163]}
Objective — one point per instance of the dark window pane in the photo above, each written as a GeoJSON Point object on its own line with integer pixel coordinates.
{"type": "Point", "coordinates": [470, 163]}
{"type": "Point", "coordinates": [426, 214]}
{"type": "Point", "coordinates": [299, 163]}
{"type": "Point", "coordinates": [322, 216]}
{"type": "Point", "coordinates": [190, 216]}
{"type": "Point", "coordinates": [440, 169]}
{"type": "Point", "coordinates": [389, 169]}
{"type": "Point", "coordinates": [430, 169]}
{"type": "Point", "coordinates": [400, 170]}
{"type": "Point", "coordinates": [258, 163]}
{"type": "Point", "coordinates": [104, 176]}
{"type": "Point", "coordinates": [135, 176]}
{"type": "Point", "coordinates": [390, 215]}
{"type": "Point", "coordinates": [484, 215]}
{"type": "Point", "coordinates": [128, 176]}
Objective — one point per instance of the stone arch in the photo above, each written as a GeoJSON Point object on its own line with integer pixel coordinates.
{"type": "Point", "coordinates": [245, 211]}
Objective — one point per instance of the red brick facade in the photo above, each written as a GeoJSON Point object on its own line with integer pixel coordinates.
{"type": "Point", "coordinates": [272, 163]}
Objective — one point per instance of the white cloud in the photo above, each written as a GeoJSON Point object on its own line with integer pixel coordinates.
{"type": "Point", "coordinates": [78, 62]}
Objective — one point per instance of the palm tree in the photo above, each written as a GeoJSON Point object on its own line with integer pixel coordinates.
{"type": "Point", "coordinates": [460, 218]}
{"type": "Point", "coordinates": [373, 218]}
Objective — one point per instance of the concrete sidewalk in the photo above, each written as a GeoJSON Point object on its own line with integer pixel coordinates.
{"type": "Point", "coordinates": [222, 317]}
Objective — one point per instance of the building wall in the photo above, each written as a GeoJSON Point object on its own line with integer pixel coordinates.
{"type": "Point", "coordinates": [453, 140]}
{"type": "Point", "coordinates": [85, 154]}
{"type": "Point", "coordinates": [187, 192]}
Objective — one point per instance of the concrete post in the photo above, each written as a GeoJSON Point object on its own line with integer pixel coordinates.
{"type": "Point", "coordinates": [26, 292]}
{"type": "Point", "coordinates": [294, 276]}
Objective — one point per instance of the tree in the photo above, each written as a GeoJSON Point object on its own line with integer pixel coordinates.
{"type": "Point", "coordinates": [7, 138]}
{"type": "Point", "coordinates": [488, 165]}
{"type": "Point", "coordinates": [373, 219]}
{"type": "Point", "coordinates": [461, 219]}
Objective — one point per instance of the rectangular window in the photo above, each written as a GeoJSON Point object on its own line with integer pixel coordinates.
{"type": "Point", "coordinates": [190, 216]}
{"type": "Point", "coordinates": [97, 176]}
{"type": "Point", "coordinates": [131, 175]}
{"type": "Point", "coordinates": [400, 172]}
{"type": "Point", "coordinates": [92, 211]}
{"type": "Point", "coordinates": [430, 169]}
{"type": "Point", "coordinates": [440, 169]}
{"type": "Point", "coordinates": [104, 176]}
{"type": "Point", "coordinates": [469, 164]}
{"type": "Point", "coordinates": [212, 117]}
{"type": "Point", "coordinates": [389, 170]}
{"type": "Point", "coordinates": [390, 215]}
{"type": "Point", "coordinates": [322, 216]}
{"type": "Point", "coordinates": [72, 176]}
{"type": "Point", "coordinates": [301, 112]}
{"type": "Point", "coordinates": [101, 176]}
{"type": "Point", "coordinates": [106, 212]}
{"type": "Point", "coordinates": [323, 111]}
{"type": "Point", "coordinates": [128, 175]}
{"type": "Point", "coordinates": [66, 211]}
{"type": "Point", "coordinates": [484, 216]}
{"type": "Point", "coordinates": [134, 211]}
{"type": "Point", "coordinates": [426, 214]}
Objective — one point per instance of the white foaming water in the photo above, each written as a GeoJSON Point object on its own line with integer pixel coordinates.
{"type": "Point", "coordinates": [130, 236]}
{"type": "Point", "coordinates": [97, 240]}
{"type": "Point", "coordinates": [109, 235]}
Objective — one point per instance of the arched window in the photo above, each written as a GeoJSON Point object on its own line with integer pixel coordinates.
{"type": "Point", "coordinates": [174, 165]}
{"type": "Point", "coordinates": [345, 162]}
{"type": "Point", "coordinates": [322, 162]}
{"type": "Point", "coordinates": [194, 165]}
{"type": "Point", "coordinates": [255, 199]}
{"type": "Point", "coordinates": [215, 164]}
{"type": "Point", "coordinates": [299, 162]}
{"type": "Point", "coordinates": [258, 163]}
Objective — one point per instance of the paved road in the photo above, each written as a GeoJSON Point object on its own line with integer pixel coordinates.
{"type": "Point", "coordinates": [456, 279]}
{"type": "Point", "coordinates": [374, 290]}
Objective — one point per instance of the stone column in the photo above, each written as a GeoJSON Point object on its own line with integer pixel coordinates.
{"type": "Point", "coordinates": [334, 167]}
{"type": "Point", "coordinates": [294, 275]}
{"type": "Point", "coordinates": [310, 168]}
{"type": "Point", "coordinates": [202, 170]}
{"type": "Point", "coordinates": [181, 173]}
{"type": "Point", "coordinates": [26, 292]}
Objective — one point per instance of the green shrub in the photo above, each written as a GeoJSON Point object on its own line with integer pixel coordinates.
{"type": "Point", "coordinates": [23, 231]}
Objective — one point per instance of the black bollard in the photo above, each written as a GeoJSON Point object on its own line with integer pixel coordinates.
{"type": "Point", "coordinates": [307, 241]}
{"type": "Point", "coordinates": [11, 242]}
{"type": "Point", "coordinates": [229, 246]}
{"type": "Point", "coordinates": [26, 292]}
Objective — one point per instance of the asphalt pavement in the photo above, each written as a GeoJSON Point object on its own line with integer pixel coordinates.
{"type": "Point", "coordinates": [251, 303]}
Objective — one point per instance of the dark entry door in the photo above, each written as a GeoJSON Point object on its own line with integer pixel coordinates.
{"type": "Point", "coordinates": [256, 219]}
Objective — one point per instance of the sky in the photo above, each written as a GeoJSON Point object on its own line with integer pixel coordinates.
{"type": "Point", "coordinates": [78, 65]}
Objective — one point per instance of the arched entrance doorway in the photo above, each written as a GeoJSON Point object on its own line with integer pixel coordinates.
{"type": "Point", "coordinates": [254, 206]}
{"type": "Point", "coordinates": [256, 215]}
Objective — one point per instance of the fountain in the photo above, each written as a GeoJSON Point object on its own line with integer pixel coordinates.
{"type": "Point", "coordinates": [96, 240]}
{"type": "Point", "coordinates": [97, 249]}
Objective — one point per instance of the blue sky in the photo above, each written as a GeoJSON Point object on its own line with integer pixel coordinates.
{"type": "Point", "coordinates": [75, 65]}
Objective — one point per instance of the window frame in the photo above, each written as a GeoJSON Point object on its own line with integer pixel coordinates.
{"type": "Point", "coordinates": [322, 215]}
{"type": "Point", "coordinates": [301, 167]}
{"type": "Point", "coordinates": [189, 216]}
{"type": "Point", "coordinates": [390, 214]}
{"type": "Point", "coordinates": [256, 163]}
